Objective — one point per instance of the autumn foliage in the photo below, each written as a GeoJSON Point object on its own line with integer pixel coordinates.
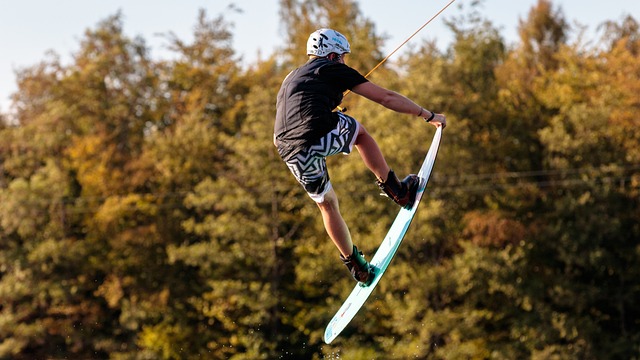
{"type": "Point", "coordinates": [145, 214]}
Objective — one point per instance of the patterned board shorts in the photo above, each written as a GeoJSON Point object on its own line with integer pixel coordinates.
{"type": "Point", "coordinates": [310, 166]}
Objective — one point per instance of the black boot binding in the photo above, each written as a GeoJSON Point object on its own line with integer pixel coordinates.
{"type": "Point", "coordinates": [360, 269]}
{"type": "Point", "coordinates": [402, 193]}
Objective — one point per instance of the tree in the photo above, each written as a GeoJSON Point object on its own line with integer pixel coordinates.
{"type": "Point", "coordinates": [188, 152]}
{"type": "Point", "coordinates": [78, 130]}
{"type": "Point", "coordinates": [144, 212]}
{"type": "Point", "coordinates": [593, 217]}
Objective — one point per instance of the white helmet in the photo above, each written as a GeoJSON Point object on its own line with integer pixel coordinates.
{"type": "Point", "coordinates": [323, 42]}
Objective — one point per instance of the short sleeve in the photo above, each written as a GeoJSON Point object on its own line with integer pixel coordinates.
{"type": "Point", "coordinates": [341, 76]}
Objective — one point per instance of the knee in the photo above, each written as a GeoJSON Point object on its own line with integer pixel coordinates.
{"type": "Point", "coordinates": [330, 203]}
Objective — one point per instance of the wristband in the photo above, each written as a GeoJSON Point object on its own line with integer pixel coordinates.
{"type": "Point", "coordinates": [431, 117]}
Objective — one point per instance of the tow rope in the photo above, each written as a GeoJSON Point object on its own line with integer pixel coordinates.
{"type": "Point", "coordinates": [400, 46]}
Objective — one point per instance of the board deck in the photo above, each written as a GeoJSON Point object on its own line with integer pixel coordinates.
{"type": "Point", "coordinates": [386, 251]}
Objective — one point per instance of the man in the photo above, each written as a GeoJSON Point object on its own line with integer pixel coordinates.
{"type": "Point", "coordinates": [307, 130]}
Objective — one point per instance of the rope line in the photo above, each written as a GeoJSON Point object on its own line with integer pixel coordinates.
{"type": "Point", "coordinates": [401, 45]}
{"type": "Point", "coordinates": [409, 38]}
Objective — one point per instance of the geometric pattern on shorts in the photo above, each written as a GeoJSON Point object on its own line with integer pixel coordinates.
{"type": "Point", "coordinates": [310, 167]}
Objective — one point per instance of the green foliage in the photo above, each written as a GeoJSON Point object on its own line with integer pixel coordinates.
{"type": "Point", "coordinates": [145, 214]}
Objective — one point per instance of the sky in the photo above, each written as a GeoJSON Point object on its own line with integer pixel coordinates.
{"type": "Point", "coordinates": [31, 28]}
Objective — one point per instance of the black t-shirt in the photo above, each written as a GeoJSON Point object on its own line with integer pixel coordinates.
{"type": "Point", "coordinates": [306, 100]}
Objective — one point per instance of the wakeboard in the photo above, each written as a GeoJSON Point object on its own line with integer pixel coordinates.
{"type": "Point", "coordinates": [386, 251]}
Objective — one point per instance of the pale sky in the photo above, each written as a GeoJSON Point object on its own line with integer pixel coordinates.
{"type": "Point", "coordinates": [30, 28]}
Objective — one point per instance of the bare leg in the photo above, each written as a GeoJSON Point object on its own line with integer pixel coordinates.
{"type": "Point", "coordinates": [335, 224]}
{"type": "Point", "coordinates": [371, 154]}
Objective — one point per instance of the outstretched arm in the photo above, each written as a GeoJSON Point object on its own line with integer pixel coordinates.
{"type": "Point", "coordinates": [396, 102]}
